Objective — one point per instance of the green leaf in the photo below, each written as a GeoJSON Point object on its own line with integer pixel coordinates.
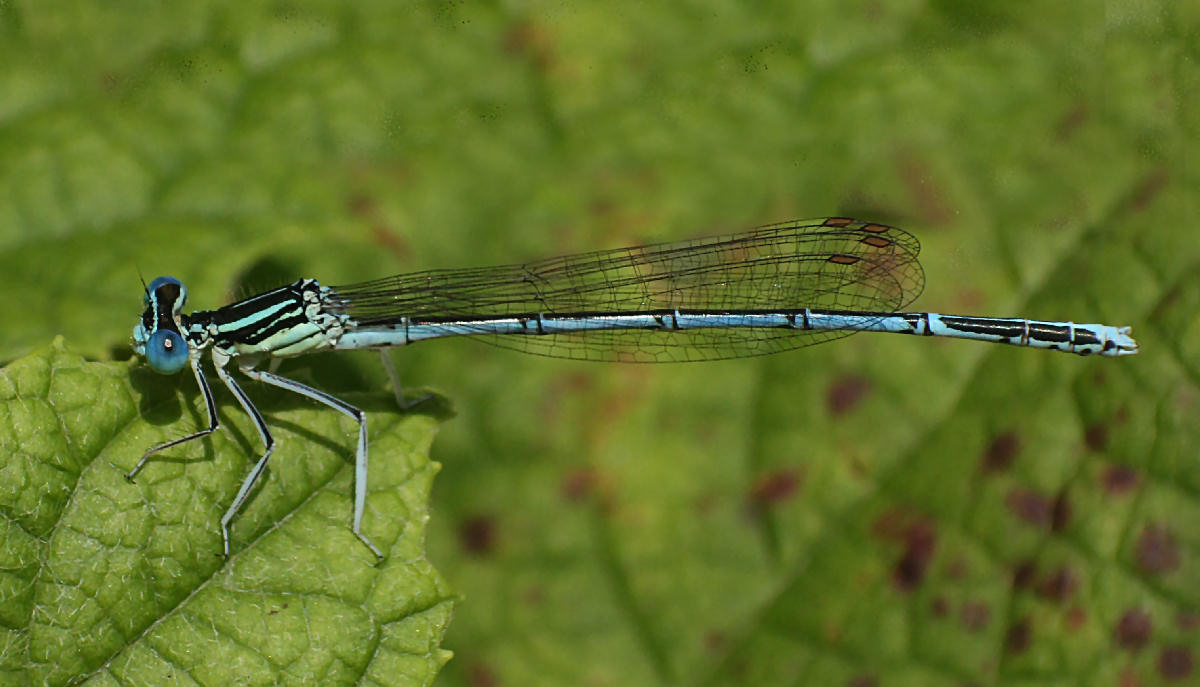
{"type": "Point", "coordinates": [106, 582]}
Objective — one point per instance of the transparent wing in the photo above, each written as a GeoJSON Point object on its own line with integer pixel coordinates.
{"type": "Point", "coordinates": [829, 263]}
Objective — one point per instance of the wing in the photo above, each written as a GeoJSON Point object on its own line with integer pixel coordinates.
{"type": "Point", "coordinates": [831, 263]}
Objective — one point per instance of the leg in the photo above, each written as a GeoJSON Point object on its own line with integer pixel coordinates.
{"type": "Point", "coordinates": [212, 421]}
{"type": "Point", "coordinates": [360, 458]}
{"type": "Point", "coordinates": [259, 424]}
{"type": "Point", "coordinates": [394, 378]}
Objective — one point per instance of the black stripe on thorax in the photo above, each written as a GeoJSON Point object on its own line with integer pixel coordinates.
{"type": "Point", "coordinates": [258, 318]}
{"type": "Point", "coordinates": [248, 308]}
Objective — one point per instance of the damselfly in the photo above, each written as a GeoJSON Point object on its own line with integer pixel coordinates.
{"type": "Point", "coordinates": [772, 289]}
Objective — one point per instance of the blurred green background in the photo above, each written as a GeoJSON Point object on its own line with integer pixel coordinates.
{"type": "Point", "coordinates": [878, 511]}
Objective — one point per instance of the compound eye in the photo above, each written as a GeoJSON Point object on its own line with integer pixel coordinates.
{"type": "Point", "coordinates": [166, 351]}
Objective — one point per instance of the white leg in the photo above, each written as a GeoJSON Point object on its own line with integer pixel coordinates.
{"type": "Point", "coordinates": [360, 460]}
{"type": "Point", "coordinates": [259, 424]}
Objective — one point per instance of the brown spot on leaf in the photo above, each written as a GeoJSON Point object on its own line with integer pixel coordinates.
{"type": "Point", "coordinates": [1096, 437]}
{"type": "Point", "coordinates": [919, 538]}
{"type": "Point", "coordinates": [579, 484]}
{"type": "Point", "coordinates": [477, 535]}
{"type": "Point", "coordinates": [1024, 574]}
{"type": "Point", "coordinates": [1176, 663]}
{"type": "Point", "coordinates": [845, 394]}
{"type": "Point", "coordinates": [481, 675]}
{"type": "Point", "coordinates": [910, 569]}
{"type": "Point", "coordinates": [1001, 451]}
{"type": "Point", "coordinates": [528, 38]}
{"type": "Point", "coordinates": [773, 487]}
{"type": "Point", "coordinates": [863, 681]}
{"type": "Point", "coordinates": [1119, 479]}
{"type": "Point", "coordinates": [1076, 617]}
{"type": "Point", "coordinates": [939, 606]}
{"type": "Point", "coordinates": [575, 382]}
{"type": "Point", "coordinates": [1030, 506]}
{"type": "Point", "coordinates": [1157, 552]}
{"type": "Point", "coordinates": [1128, 678]}
{"type": "Point", "coordinates": [976, 615]}
{"type": "Point", "coordinates": [361, 205]}
{"type": "Point", "coordinates": [714, 640]}
{"type": "Point", "coordinates": [1019, 637]}
{"type": "Point", "coordinates": [1133, 630]}
{"type": "Point", "coordinates": [918, 550]}
{"type": "Point", "coordinates": [1058, 585]}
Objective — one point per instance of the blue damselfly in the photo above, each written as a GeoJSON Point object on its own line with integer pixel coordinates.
{"type": "Point", "coordinates": [772, 289]}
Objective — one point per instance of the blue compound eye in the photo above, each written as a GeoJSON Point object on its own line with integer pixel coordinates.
{"type": "Point", "coordinates": [166, 351]}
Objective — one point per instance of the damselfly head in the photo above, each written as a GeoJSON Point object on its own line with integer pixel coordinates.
{"type": "Point", "coordinates": [157, 335]}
